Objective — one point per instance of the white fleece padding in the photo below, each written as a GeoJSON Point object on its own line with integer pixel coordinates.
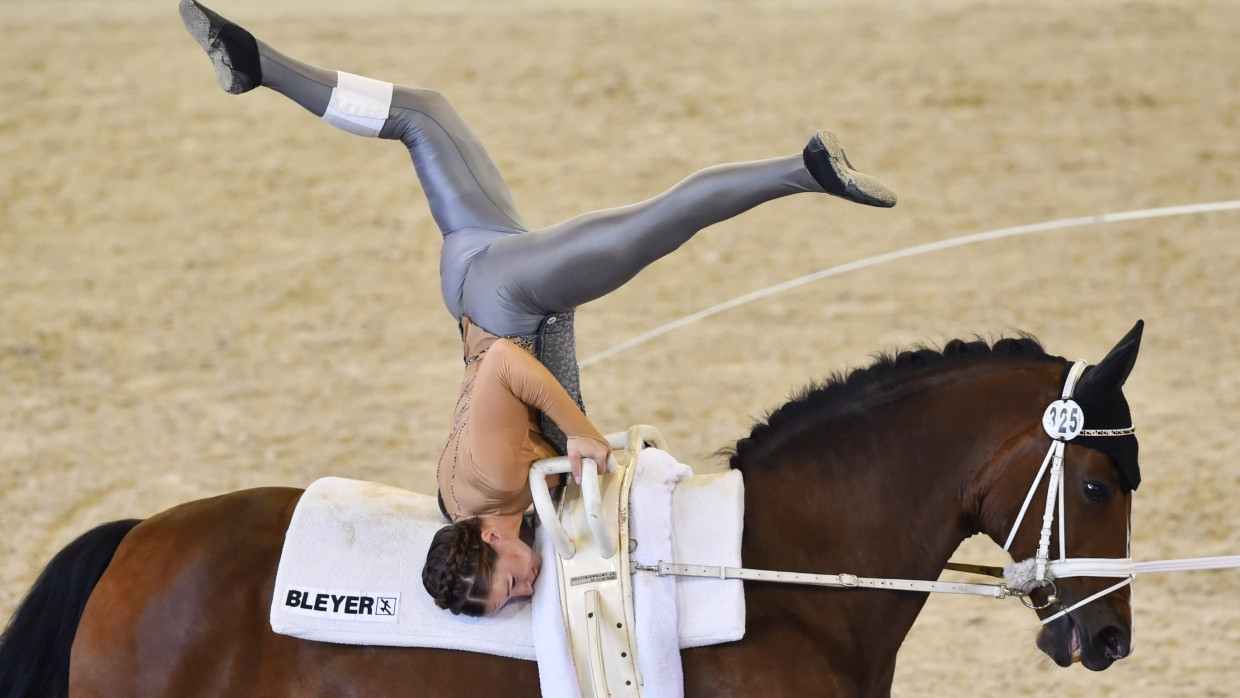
{"type": "Point", "coordinates": [654, 598]}
{"type": "Point", "coordinates": [556, 676]}
{"type": "Point", "coordinates": [359, 104]}
{"type": "Point", "coordinates": [371, 540]}
{"type": "Point", "coordinates": [674, 516]}
{"type": "Point", "coordinates": [708, 519]}
{"type": "Point", "coordinates": [349, 538]}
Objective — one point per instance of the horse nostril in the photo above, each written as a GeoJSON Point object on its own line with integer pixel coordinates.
{"type": "Point", "coordinates": [1115, 641]}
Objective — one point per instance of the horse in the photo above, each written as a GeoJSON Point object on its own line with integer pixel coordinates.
{"type": "Point", "coordinates": [881, 472]}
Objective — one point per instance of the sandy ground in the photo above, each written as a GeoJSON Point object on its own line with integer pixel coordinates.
{"type": "Point", "coordinates": [201, 293]}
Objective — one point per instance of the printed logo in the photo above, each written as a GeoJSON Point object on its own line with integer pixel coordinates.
{"type": "Point", "coordinates": [358, 606]}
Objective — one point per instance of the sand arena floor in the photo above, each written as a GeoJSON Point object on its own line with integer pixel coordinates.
{"type": "Point", "coordinates": [201, 293]}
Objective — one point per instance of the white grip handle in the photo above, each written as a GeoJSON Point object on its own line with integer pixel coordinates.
{"type": "Point", "coordinates": [546, 510]}
{"type": "Point", "coordinates": [636, 438]}
{"type": "Point", "coordinates": [604, 539]}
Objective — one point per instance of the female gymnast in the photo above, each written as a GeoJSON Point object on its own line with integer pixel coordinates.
{"type": "Point", "coordinates": [513, 290]}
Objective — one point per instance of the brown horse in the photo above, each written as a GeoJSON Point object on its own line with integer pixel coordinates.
{"type": "Point", "coordinates": [881, 473]}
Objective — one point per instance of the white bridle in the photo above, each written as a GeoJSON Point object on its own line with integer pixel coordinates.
{"type": "Point", "coordinates": [1063, 421]}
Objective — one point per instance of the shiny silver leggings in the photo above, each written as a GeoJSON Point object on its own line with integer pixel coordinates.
{"type": "Point", "coordinates": [493, 268]}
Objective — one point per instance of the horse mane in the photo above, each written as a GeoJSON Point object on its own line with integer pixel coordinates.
{"type": "Point", "coordinates": [841, 391]}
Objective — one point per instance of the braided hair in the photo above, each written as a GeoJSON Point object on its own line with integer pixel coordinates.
{"type": "Point", "coordinates": [457, 573]}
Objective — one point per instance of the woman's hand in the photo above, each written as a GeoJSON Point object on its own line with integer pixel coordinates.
{"type": "Point", "coordinates": [585, 447]}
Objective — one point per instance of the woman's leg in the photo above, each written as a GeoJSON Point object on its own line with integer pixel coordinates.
{"type": "Point", "coordinates": [463, 187]}
{"type": "Point", "coordinates": [462, 184]}
{"type": "Point", "coordinates": [521, 278]}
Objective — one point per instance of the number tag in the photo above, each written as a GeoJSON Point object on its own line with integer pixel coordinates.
{"type": "Point", "coordinates": [1063, 420]}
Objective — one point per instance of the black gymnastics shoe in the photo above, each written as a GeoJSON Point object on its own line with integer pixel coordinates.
{"type": "Point", "coordinates": [825, 160]}
{"type": "Point", "coordinates": [233, 50]}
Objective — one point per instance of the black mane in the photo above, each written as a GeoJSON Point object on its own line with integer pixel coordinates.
{"type": "Point", "coordinates": [840, 390]}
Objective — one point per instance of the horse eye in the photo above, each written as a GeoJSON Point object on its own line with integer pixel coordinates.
{"type": "Point", "coordinates": [1097, 491]}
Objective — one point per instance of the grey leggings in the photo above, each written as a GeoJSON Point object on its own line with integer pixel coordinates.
{"type": "Point", "coordinates": [493, 268]}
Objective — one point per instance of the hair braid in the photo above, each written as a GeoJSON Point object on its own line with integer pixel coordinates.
{"type": "Point", "coordinates": [458, 568]}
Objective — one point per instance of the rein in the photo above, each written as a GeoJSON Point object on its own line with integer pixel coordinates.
{"type": "Point", "coordinates": [1063, 421]}
{"type": "Point", "coordinates": [839, 581]}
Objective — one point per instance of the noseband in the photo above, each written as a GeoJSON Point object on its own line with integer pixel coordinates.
{"type": "Point", "coordinates": [1063, 421]}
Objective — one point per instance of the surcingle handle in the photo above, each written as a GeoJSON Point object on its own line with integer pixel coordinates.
{"type": "Point", "coordinates": [546, 509]}
{"type": "Point", "coordinates": [604, 538]}
{"type": "Point", "coordinates": [631, 442]}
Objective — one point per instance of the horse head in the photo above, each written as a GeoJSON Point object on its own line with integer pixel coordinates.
{"type": "Point", "coordinates": [1081, 588]}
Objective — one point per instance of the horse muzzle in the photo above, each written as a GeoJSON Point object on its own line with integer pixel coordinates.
{"type": "Point", "coordinates": [1068, 641]}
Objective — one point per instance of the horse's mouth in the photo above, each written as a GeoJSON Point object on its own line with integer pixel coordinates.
{"type": "Point", "coordinates": [1052, 643]}
{"type": "Point", "coordinates": [1068, 645]}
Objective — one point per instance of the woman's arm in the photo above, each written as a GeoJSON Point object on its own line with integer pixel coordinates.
{"type": "Point", "coordinates": [531, 383]}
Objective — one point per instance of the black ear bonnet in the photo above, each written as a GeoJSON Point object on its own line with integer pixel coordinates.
{"type": "Point", "coordinates": [1100, 395]}
{"type": "Point", "coordinates": [1110, 411]}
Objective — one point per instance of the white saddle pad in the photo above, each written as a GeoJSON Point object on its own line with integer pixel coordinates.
{"type": "Point", "coordinates": [351, 571]}
{"type": "Point", "coordinates": [708, 516]}
{"type": "Point", "coordinates": [350, 541]}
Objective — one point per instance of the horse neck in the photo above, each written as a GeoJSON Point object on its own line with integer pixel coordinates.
{"type": "Point", "coordinates": [885, 490]}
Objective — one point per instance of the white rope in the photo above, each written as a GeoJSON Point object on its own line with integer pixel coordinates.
{"type": "Point", "coordinates": [1108, 567]}
{"type": "Point", "coordinates": [1141, 214]}
{"type": "Point", "coordinates": [1091, 567]}
{"type": "Point", "coordinates": [1188, 564]}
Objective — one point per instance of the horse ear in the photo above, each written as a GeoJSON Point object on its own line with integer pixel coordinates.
{"type": "Point", "coordinates": [1110, 373]}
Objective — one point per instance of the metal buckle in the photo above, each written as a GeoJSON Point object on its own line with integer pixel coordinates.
{"type": "Point", "coordinates": [1026, 589]}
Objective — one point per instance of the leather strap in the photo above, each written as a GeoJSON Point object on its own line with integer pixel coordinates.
{"type": "Point", "coordinates": [841, 581]}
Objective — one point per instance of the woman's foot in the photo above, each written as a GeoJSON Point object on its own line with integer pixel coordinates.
{"type": "Point", "coordinates": [233, 50]}
{"type": "Point", "coordinates": [825, 160]}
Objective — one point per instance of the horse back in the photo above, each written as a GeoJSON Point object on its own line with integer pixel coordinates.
{"type": "Point", "coordinates": [149, 626]}
{"type": "Point", "coordinates": [183, 610]}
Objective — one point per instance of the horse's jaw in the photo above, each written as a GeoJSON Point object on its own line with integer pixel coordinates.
{"type": "Point", "coordinates": [1067, 642]}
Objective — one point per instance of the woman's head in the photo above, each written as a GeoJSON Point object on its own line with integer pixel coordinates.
{"type": "Point", "coordinates": [475, 570]}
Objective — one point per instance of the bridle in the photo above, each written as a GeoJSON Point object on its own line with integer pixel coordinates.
{"type": "Point", "coordinates": [1063, 421]}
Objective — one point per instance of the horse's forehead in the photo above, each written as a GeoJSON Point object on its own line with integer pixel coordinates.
{"type": "Point", "coordinates": [1092, 463]}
